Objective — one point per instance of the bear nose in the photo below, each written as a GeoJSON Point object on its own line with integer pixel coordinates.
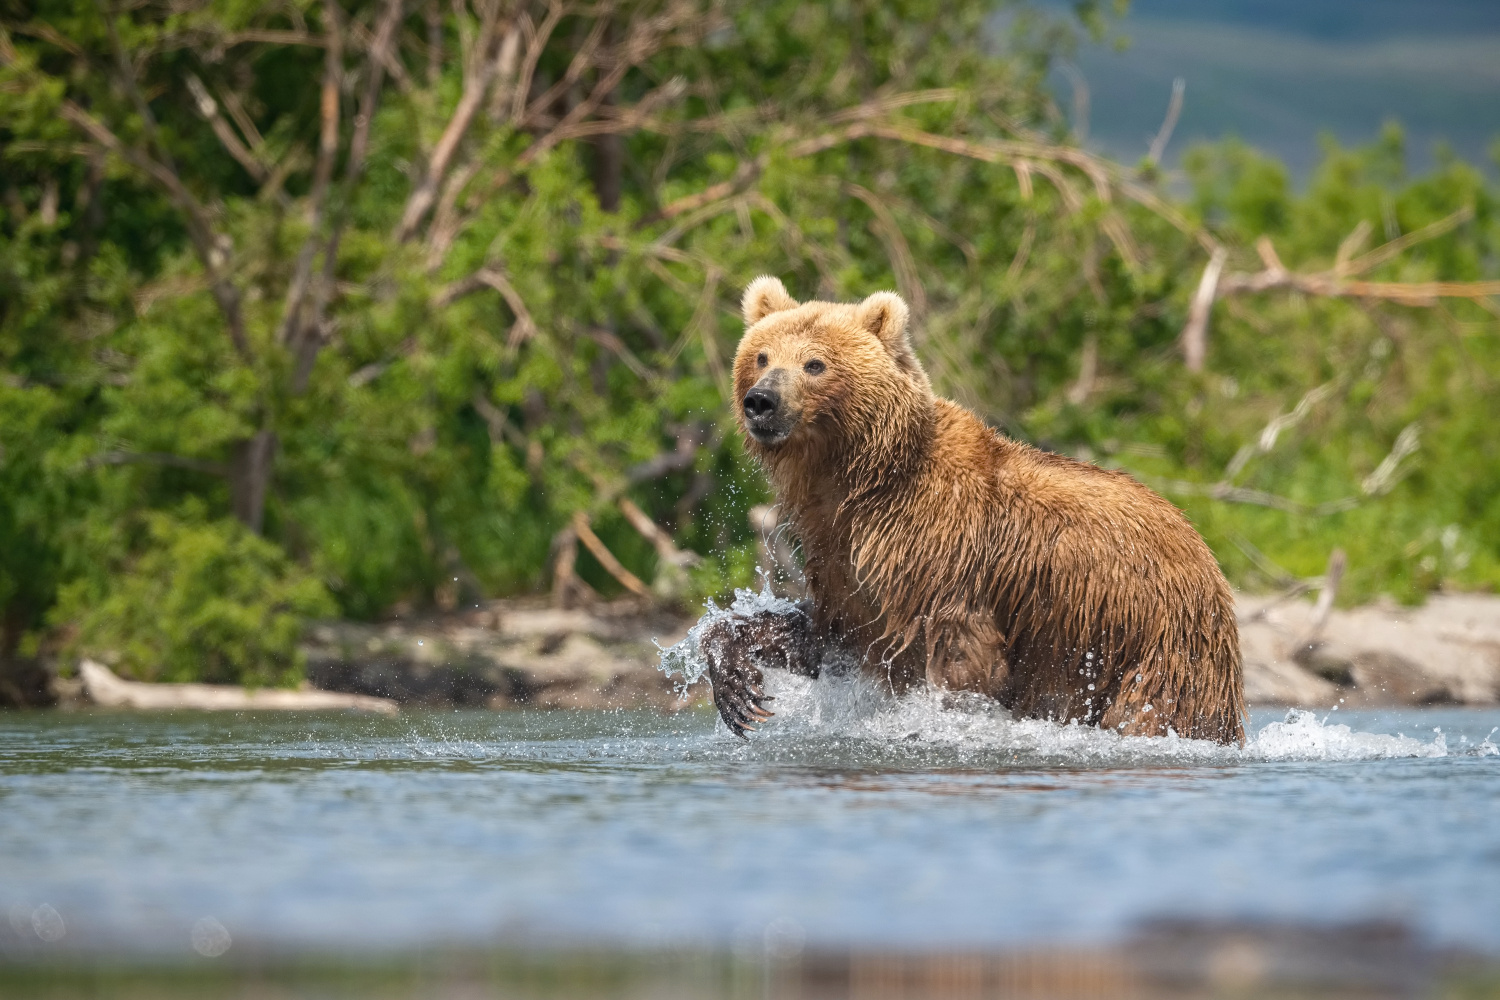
{"type": "Point", "coordinates": [760, 403]}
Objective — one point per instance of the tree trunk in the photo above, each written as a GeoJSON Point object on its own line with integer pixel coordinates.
{"type": "Point", "coordinates": [24, 681]}
{"type": "Point", "coordinates": [249, 477]}
{"type": "Point", "coordinates": [609, 165]}
{"type": "Point", "coordinates": [609, 151]}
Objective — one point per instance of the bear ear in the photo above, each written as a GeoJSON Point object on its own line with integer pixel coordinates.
{"type": "Point", "coordinates": [885, 316]}
{"type": "Point", "coordinates": [764, 296]}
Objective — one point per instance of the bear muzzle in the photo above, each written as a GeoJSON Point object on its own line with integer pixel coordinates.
{"type": "Point", "coordinates": [767, 417]}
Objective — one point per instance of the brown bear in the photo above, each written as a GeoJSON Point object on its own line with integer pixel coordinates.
{"type": "Point", "coordinates": [937, 550]}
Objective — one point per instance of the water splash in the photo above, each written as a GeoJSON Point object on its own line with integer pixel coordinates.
{"type": "Point", "coordinates": [842, 706]}
{"type": "Point", "coordinates": [684, 660]}
{"type": "Point", "coordinates": [855, 706]}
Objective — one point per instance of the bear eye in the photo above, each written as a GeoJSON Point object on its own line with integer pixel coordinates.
{"type": "Point", "coordinates": [814, 367]}
{"type": "Point", "coordinates": [760, 360]}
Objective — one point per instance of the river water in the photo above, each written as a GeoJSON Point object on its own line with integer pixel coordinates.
{"type": "Point", "coordinates": [851, 820]}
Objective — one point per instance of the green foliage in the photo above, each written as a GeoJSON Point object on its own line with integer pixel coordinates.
{"type": "Point", "coordinates": [204, 600]}
{"type": "Point", "coordinates": [454, 383]}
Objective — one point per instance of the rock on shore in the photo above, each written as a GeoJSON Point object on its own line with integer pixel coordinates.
{"type": "Point", "coordinates": [509, 653]}
{"type": "Point", "coordinates": [1446, 651]}
{"type": "Point", "coordinates": [525, 653]}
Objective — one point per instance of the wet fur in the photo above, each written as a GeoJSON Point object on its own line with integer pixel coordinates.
{"type": "Point", "coordinates": [940, 551]}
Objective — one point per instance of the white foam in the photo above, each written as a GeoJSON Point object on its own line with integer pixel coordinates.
{"type": "Point", "coordinates": [849, 705]}
{"type": "Point", "coordinates": [684, 661]}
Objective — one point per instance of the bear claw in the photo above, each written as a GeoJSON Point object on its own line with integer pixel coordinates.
{"type": "Point", "coordinates": [738, 694]}
{"type": "Point", "coordinates": [737, 647]}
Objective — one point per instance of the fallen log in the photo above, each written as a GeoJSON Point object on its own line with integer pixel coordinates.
{"type": "Point", "coordinates": [102, 687]}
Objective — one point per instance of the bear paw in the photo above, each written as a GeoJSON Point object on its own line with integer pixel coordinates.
{"type": "Point", "coordinates": [739, 694]}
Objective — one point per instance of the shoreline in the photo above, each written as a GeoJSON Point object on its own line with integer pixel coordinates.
{"type": "Point", "coordinates": [528, 653]}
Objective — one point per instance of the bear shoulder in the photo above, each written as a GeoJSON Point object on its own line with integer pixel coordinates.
{"type": "Point", "coordinates": [1063, 490]}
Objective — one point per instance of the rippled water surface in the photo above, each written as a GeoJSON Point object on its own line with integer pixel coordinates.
{"type": "Point", "coordinates": [850, 820]}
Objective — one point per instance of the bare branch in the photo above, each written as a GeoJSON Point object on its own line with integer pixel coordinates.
{"type": "Point", "coordinates": [492, 276]}
{"type": "Point", "coordinates": [908, 276]}
{"type": "Point", "coordinates": [565, 580]}
{"type": "Point", "coordinates": [1384, 253]}
{"type": "Point", "coordinates": [684, 456]}
{"type": "Point", "coordinates": [157, 458]}
{"type": "Point", "coordinates": [308, 335]}
{"type": "Point", "coordinates": [1351, 245]}
{"type": "Point", "coordinates": [476, 86]}
{"type": "Point", "coordinates": [382, 59]}
{"type": "Point", "coordinates": [383, 53]}
{"type": "Point", "coordinates": [273, 37]}
{"type": "Point", "coordinates": [582, 61]}
{"type": "Point", "coordinates": [47, 33]}
{"type": "Point", "coordinates": [666, 549]}
{"type": "Point", "coordinates": [292, 325]}
{"type": "Point", "coordinates": [1328, 589]}
{"type": "Point", "coordinates": [606, 558]}
{"type": "Point", "coordinates": [500, 427]}
{"type": "Point", "coordinates": [1257, 498]}
{"type": "Point", "coordinates": [1291, 586]}
{"type": "Point", "coordinates": [209, 247]}
{"type": "Point", "coordinates": [1269, 435]}
{"type": "Point", "coordinates": [1195, 333]}
{"type": "Point", "coordinates": [370, 372]}
{"type": "Point", "coordinates": [1169, 123]}
{"type": "Point", "coordinates": [614, 345]}
{"type": "Point", "coordinates": [206, 244]}
{"type": "Point", "coordinates": [536, 44]}
{"type": "Point", "coordinates": [1387, 473]}
{"type": "Point", "coordinates": [1088, 370]}
{"type": "Point", "coordinates": [1330, 285]}
{"type": "Point", "coordinates": [433, 15]}
{"type": "Point", "coordinates": [744, 175]}
{"type": "Point", "coordinates": [209, 109]}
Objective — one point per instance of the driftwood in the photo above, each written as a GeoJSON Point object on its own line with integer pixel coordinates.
{"type": "Point", "coordinates": [1339, 282]}
{"type": "Point", "coordinates": [527, 653]}
{"type": "Point", "coordinates": [102, 687]}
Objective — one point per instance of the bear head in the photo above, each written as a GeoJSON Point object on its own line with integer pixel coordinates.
{"type": "Point", "coordinates": [822, 371]}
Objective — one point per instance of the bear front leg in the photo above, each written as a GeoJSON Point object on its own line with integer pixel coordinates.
{"type": "Point", "coordinates": [739, 648]}
{"type": "Point", "coordinates": [966, 652]}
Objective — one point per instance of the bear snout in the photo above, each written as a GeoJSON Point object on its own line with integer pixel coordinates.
{"type": "Point", "coordinates": [761, 404]}
{"type": "Point", "coordinates": [768, 417]}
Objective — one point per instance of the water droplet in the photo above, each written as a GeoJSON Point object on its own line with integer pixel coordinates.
{"type": "Point", "coordinates": [209, 937]}
{"type": "Point", "coordinates": [48, 923]}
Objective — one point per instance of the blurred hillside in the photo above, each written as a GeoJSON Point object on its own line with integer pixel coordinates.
{"type": "Point", "coordinates": [1279, 74]}
{"type": "Point", "coordinates": [363, 307]}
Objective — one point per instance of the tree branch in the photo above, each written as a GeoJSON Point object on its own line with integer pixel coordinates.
{"type": "Point", "coordinates": [493, 276]}
{"type": "Point", "coordinates": [310, 338]}
{"type": "Point", "coordinates": [1257, 498]}
{"type": "Point", "coordinates": [209, 109]}
{"type": "Point", "coordinates": [1169, 123]}
{"type": "Point", "coordinates": [684, 456]}
{"type": "Point", "coordinates": [206, 244]}
{"type": "Point", "coordinates": [157, 458]}
{"type": "Point", "coordinates": [476, 85]}
{"type": "Point", "coordinates": [1195, 333]}
{"type": "Point", "coordinates": [606, 558]}
{"type": "Point", "coordinates": [328, 144]}
{"type": "Point", "coordinates": [666, 550]}
{"type": "Point", "coordinates": [908, 276]}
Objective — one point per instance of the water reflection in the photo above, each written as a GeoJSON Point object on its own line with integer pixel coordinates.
{"type": "Point", "coordinates": [170, 837]}
{"type": "Point", "coordinates": [1176, 959]}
